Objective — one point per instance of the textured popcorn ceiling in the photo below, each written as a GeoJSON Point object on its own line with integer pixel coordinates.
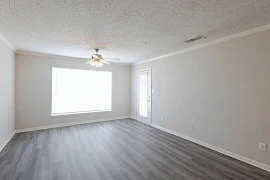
{"type": "Point", "coordinates": [121, 27]}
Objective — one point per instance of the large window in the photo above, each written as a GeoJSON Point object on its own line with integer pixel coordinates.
{"type": "Point", "coordinates": [80, 91]}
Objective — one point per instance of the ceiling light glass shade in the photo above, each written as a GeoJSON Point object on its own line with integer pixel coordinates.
{"type": "Point", "coordinates": [96, 64]}
{"type": "Point", "coordinates": [92, 63]}
{"type": "Point", "coordinates": [100, 64]}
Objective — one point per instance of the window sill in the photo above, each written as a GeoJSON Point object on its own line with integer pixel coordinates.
{"type": "Point", "coordinates": [79, 113]}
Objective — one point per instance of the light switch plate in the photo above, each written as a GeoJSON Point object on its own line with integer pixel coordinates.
{"type": "Point", "coordinates": [262, 146]}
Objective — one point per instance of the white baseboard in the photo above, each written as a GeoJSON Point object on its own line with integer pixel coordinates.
{"type": "Point", "coordinates": [222, 151]}
{"type": "Point", "coordinates": [69, 124]}
{"type": "Point", "coordinates": [6, 141]}
{"type": "Point", "coordinates": [132, 117]}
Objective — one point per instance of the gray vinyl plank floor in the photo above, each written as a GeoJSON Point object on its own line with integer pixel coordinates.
{"type": "Point", "coordinates": [116, 150]}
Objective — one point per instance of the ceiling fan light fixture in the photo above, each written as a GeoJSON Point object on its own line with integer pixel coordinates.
{"type": "Point", "coordinates": [98, 61]}
{"type": "Point", "coordinates": [94, 56]}
{"type": "Point", "coordinates": [92, 63]}
{"type": "Point", "coordinates": [96, 64]}
{"type": "Point", "coordinates": [100, 64]}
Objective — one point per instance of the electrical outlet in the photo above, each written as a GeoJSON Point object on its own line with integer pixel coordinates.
{"type": "Point", "coordinates": [262, 146]}
{"type": "Point", "coordinates": [162, 118]}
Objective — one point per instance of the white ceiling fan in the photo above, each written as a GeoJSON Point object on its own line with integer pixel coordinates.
{"type": "Point", "coordinates": [98, 61]}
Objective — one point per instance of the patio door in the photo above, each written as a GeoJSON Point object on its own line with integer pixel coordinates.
{"type": "Point", "coordinates": [144, 97]}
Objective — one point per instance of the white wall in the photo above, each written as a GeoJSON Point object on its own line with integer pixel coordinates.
{"type": "Point", "coordinates": [223, 90]}
{"type": "Point", "coordinates": [34, 91]}
{"type": "Point", "coordinates": [6, 93]}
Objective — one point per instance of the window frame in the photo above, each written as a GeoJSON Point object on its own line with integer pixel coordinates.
{"type": "Point", "coordinates": [77, 112]}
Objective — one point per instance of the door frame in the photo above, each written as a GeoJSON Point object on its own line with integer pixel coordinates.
{"type": "Point", "coordinates": [137, 96]}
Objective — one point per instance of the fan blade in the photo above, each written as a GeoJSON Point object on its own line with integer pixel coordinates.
{"type": "Point", "coordinates": [106, 62]}
{"type": "Point", "coordinates": [112, 59]}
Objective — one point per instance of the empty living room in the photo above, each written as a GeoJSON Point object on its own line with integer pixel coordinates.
{"type": "Point", "coordinates": [134, 90]}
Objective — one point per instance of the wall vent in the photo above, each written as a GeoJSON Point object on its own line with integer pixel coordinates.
{"type": "Point", "coordinates": [194, 39]}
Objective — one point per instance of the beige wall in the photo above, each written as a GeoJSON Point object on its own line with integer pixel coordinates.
{"type": "Point", "coordinates": [6, 93]}
{"type": "Point", "coordinates": [34, 91]}
{"type": "Point", "coordinates": [222, 90]}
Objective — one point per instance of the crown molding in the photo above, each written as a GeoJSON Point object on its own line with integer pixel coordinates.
{"type": "Point", "coordinates": [28, 53]}
{"type": "Point", "coordinates": [210, 43]}
{"type": "Point", "coordinates": [5, 41]}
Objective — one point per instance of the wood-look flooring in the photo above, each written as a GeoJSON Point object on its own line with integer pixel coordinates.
{"type": "Point", "coordinates": [116, 150]}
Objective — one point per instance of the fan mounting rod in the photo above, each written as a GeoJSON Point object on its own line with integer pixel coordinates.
{"type": "Point", "coordinates": [96, 49]}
